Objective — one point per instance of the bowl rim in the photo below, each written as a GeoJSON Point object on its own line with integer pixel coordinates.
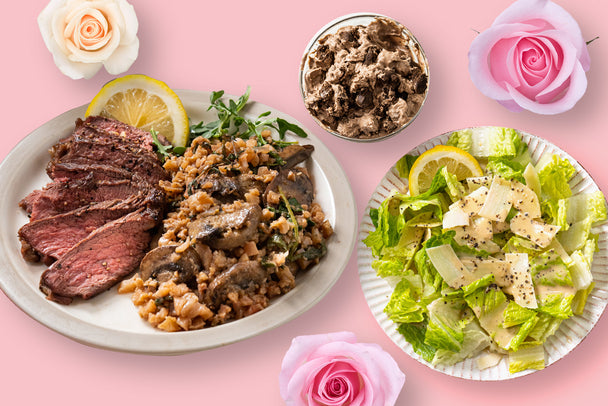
{"type": "Point", "coordinates": [421, 56]}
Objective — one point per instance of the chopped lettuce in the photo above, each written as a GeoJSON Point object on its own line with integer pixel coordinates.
{"type": "Point", "coordinates": [404, 305]}
{"type": "Point", "coordinates": [488, 142]}
{"type": "Point", "coordinates": [506, 169]}
{"type": "Point", "coordinates": [445, 328]}
{"type": "Point", "coordinates": [558, 305]}
{"type": "Point", "coordinates": [554, 176]}
{"type": "Point", "coordinates": [475, 340]}
{"type": "Point", "coordinates": [527, 358]}
{"type": "Point", "coordinates": [576, 236]}
{"type": "Point", "coordinates": [404, 165]}
{"type": "Point", "coordinates": [414, 334]}
{"type": "Point", "coordinates": [580, 299]}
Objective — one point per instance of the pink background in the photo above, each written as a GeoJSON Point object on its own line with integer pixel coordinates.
{"type": "Point", "coordinates": [228, 45]}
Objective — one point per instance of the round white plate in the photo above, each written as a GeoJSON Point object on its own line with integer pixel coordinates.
{"type": "Point", "coordinates": [571, 332]}
{"type": "Point", "coordinates": [110, 320]}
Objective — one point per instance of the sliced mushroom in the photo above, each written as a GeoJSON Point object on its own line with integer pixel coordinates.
{"type": "Point", "coordinates": [227, 230]}
{"type": "Point", "coordinates": [218, 184]}
{"type": "Point", "coordinates": [244, 277]}
{"type": "Point", "coordinates": [164, 264]}
{"type": "Point", "coordinates": [295, 153]}
{"type": "Point", "coordinates": [247, 182]}
{"type": "Point", "coordinates": [294, 183]}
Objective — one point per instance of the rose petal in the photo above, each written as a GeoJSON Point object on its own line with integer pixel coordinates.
{"type": "Point", "coordinates": [576, 89]}
{"type": "Point", "coordinates": [122, 59]}
{"type": "Point", "coordinates": [569, 60]}
{"type": "Point", "coordinates": [558, 17]}
{"type": "Point", "coordinates": [511, 105]}
{"type": "Point", "coordinates": [300, 349]}
{"type": "Point", "coordinates": [553, 63]}
{"type": "Point", "coordinates": [337, 384]}
{"type": "Point", "coordinates": [131, 25]}
{"type": "Point", "coordinates": [373, 363]}
{"type": "Point", "coordinates": [536, 60]}
{"type": "Point", "coordinates": [478, 58]}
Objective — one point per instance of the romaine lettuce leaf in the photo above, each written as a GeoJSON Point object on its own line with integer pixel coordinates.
{"type": "Point", "coordinates": [414, 334]}
{"type": "Point", "coordinates": [506, 168]}
{"type": "Point", "coordinates": [488, 142]}
{"type": "Point", "coordinates": [546, 326]}
{"type": "Point", "coordinates": [404, 165]}
{"type": "Point", "coordinates": [445, 328]}
{"type": "Point", "coordinates": [475, 340]}
{"type": "Point", "coordinates": [576, 236]}
{"type": "Point", "coordinates": [404, 306]}
{"type": "Point", "coordinates": [580, 299]}
{"type": "Point", "coordinates": [554, 176]}
{"type": "Point", "coordinates": [527, 358]}
{"type": "Point", "coordinates": [558, 305]}
{"type": "Point", "coordinates": [388, 267]}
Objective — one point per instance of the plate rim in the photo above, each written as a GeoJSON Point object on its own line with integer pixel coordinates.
{"type": "Point", "coordinates": [367, 276]}
{"type": "Point", "coordinates": [155, 342]}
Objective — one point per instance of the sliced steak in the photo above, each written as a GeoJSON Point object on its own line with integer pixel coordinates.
{"type": "Point", "coordinates": [75, 171]}
{"type": "Point", "coordinates": [62, 196]}
{"type": "Point", "coordinates": [112, 128]}
{"type": "Point", "coordinates": [93, 151]}
{"type": "Point", "coordinates": [51, 237]}
{"type": "Point", "coordinates": [102, 259]}
{"type": "Point", "coordinates": [128, 133]}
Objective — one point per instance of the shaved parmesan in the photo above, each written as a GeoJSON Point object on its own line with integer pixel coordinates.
{"type": "Point", "coordinates": [537, 231]}
{"type": "Point", "coordinates": [521, 287]}
{"type": "Point", "coordinates": [498, 201]}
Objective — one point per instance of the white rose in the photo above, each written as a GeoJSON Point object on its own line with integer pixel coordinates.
{"type": "Point", "coordinates": [83, 35]}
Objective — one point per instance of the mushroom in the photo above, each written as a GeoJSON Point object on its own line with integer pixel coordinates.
{"type": "Point", "coordinates": [294, 154]}
{"type": "Point", "coordinates": [164, 264]}
{"type": "Point", "coordinates": [294, 183]}
{"type": "Point", "coordinates": [245, 276]}
{"type": "Point", "coordinates": [227, 230]}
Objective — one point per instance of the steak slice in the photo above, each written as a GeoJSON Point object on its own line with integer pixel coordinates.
{"type": "Point", "coordinates": [74, 171]}
{"type": "Point", "coordinates": [126, 132]}
{"type": "Point", "coordinates": [115, 129]}
{"type": "Point", "coordinates": [102, 259]}
{"type": "Point", "coordinates": [51, 237]}
{"type": "Point", "coordinates": [61, 196]}
{"type": "Point", "coordinates": [95, 150]}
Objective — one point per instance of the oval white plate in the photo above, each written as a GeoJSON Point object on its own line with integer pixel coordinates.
{"type": "Point", "coordinates": [571, 332]}
{"type": "Point", "coordinates": [110, 320]}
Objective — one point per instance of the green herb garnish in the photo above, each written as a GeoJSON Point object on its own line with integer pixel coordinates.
{"type": "Point", "coordinates": [231, 123]}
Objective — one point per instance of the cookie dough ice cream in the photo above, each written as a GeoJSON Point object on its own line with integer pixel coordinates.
{"type": "Point", "coordinates": [364, 81]}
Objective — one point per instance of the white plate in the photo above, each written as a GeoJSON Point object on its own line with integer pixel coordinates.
{"type": "Point", "coordinates": [571, 332]}
{"type": "Point", "coordinates": [110, 320]}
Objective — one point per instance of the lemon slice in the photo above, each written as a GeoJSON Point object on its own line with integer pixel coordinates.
{"type": "Point", "coordinates": [143, 102]}
{"type": "Point", "coordinates": [458, 162]}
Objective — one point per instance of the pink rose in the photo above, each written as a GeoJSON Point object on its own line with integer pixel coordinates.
{"type": "Point", "coordinates": [84, 35]}
{"type": "Point", "coordinates": [333, 370]}
{"type": "Point", "coordinates": [533, 57]}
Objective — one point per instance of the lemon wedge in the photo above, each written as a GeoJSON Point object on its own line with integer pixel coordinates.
{"type": "Point", "coordinates": [143, 102]}
{"type": "Point", "coordinates": [458, 162]}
